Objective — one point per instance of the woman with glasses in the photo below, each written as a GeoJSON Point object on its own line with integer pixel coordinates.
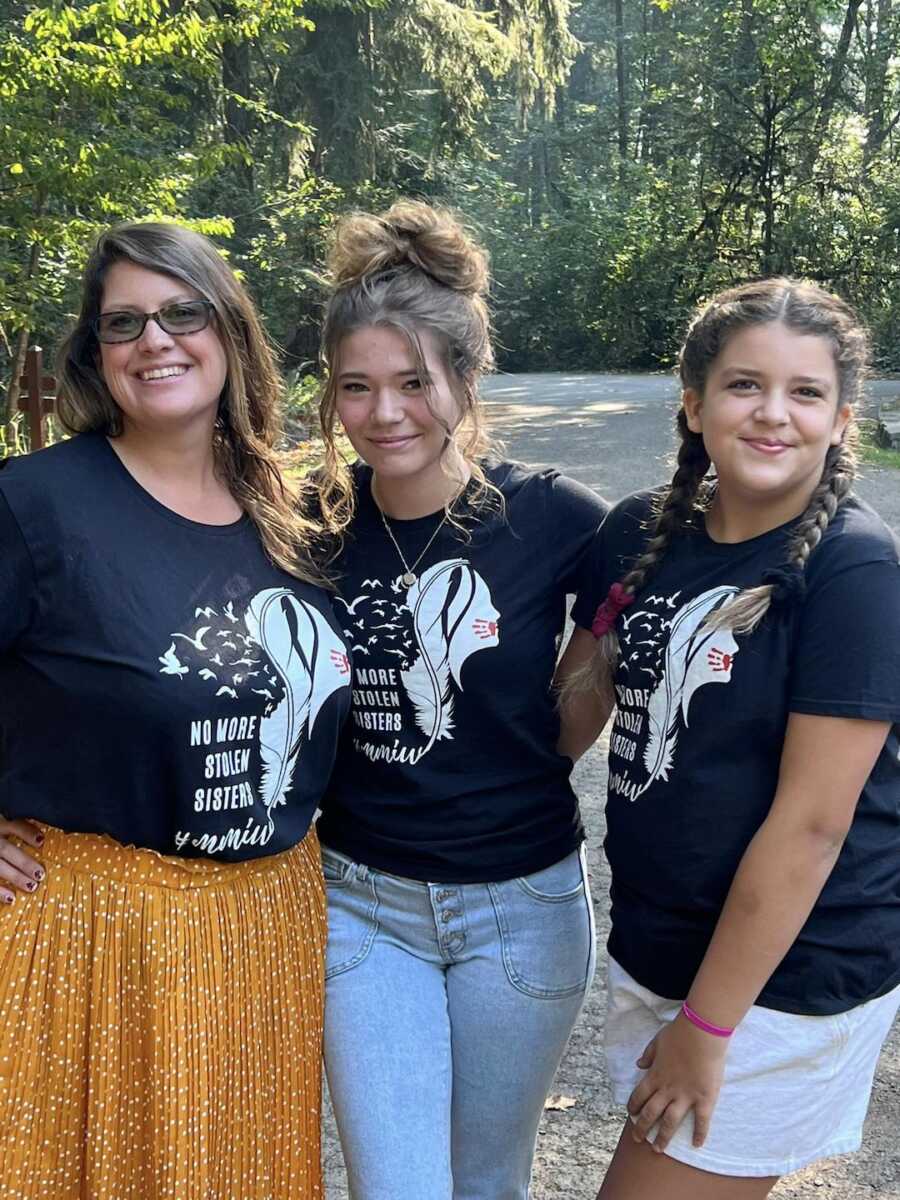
{"type": "Point", "coordinates": [172, 684]}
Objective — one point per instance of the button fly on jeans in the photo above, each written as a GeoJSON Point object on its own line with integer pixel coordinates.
{"type": "Point", "coordinates": [448, 914]}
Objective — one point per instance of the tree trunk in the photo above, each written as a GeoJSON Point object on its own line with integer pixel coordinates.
{"type": "Point", "coordinates": [538, 183]}
{"type": "Point", "coordinates": [880, 48]}
{"type": "Point", "coordinates": [833, 87]}
{"type": "Point", "coordinates": [767, 187]}
{"type": "Point", "coordinates": [338, 92]}
{"type": "Point", "coordinates": [371, 93]}
{"type": "Point", "coordinates": [11, 400]}
{"type": "Point", "coordinates": [621, 102]}
{"type": "Point", "coordinates": [18, 361]}
{"type": "Point", "coordinates": [236, 82]}
{"type": "Point", "coordinates": [643, 146]}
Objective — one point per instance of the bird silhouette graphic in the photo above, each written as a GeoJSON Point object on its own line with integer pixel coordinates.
{"type": "Point", "coordinates": [171, 664]}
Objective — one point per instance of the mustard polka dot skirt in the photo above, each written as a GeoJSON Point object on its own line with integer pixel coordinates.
{"type": "Point", "coordinates": [161, 1026]}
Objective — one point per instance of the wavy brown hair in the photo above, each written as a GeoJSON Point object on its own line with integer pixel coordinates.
{"type": "Point", "coordinates": [416, 269]}
{"type": "Point", "coordinates": [804, 308]}
{"type": "Point", "coordinates": [248, 427]}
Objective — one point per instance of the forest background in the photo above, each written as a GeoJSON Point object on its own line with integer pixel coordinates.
{"type": "Point", "coordinates": [620, 158]}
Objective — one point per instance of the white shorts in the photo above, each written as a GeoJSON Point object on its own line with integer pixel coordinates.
{"type": "Point", "coordinates": [795, 1088]}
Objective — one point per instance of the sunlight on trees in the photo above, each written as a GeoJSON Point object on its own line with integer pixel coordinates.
{"type": "Point", "coordinates": [620, 160]}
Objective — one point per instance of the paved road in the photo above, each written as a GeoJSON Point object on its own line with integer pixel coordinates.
{"type": "Point", "coordinates": [613, 432]}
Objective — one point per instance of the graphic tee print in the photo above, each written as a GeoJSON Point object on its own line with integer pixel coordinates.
{"type": "Point", "coordinates": [667, 643]}
{"type": "Point", "coordinates": [697, 742]}
{"type": "Point", "coordinates": [427, 632]}
{"type": "Point", "coordinates": [448, 769]}
{"type": "Point", "coordinates": [282, 649]}
{"type": "Point", "coordinates": [192, 692]}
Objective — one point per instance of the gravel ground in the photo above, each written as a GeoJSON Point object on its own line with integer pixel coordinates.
{"type": "Point", "coordinates": [612, 432]}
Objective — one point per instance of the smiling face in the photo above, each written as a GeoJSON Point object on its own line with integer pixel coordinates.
{"type": "Point", "coordinates": [160, 380]}
{"type": "Point", "coordinates": [393, 423]}
{"type": "Point", "coordinates": [768, 413]}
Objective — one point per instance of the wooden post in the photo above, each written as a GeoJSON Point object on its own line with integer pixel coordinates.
{"type": "Point", "coordinates": [38, 398]}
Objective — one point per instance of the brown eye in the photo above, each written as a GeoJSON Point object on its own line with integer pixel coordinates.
{"type": "Point", "coordinates": [186, 316]}
{"type": "Point", "coordinates": [179, 313]}
{"type": "Point", "coordinates": [119, 324]}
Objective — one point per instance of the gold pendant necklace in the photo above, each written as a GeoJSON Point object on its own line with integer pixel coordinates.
{"type": "Point", "coordinates": [409, 576]}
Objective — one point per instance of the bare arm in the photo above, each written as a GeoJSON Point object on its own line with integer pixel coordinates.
{"type": "Point", "coordinates": [582, 713]}
{"type": "Point", "coordinates": [824, 766]}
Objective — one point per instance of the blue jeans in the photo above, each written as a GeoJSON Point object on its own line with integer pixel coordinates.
{"type": "Point", "coordinates": [447, 1010]}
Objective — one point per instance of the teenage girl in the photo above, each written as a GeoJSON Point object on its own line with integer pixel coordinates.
{"type": "Point", "coordinates": [171, 690]}
{"type": "Point", "coordinates": [749, 634]}
{"type": "Point", "coordinates": [460, 934]}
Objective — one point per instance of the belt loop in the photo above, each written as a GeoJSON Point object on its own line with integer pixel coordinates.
{"type": "Point", "coordinates": [362, 872]}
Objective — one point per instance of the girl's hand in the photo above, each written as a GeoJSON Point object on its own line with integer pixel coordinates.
{"type": "Point", "coordinates": [16, 867]}
{"type": "Point", "coordinates": [684, 1069]}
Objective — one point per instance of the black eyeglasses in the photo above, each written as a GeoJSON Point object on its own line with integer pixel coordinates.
{"type": "Point", "coordinates": [184, 316]}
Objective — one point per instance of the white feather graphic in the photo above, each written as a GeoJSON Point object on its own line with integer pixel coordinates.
{"type": "Point", "coordinates": [299, 642]}
{"type": "Point", "coordinates": [685, 669]}
{"type": "Point", "coordinates": [445, 602]}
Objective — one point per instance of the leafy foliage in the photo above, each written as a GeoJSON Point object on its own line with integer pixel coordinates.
{"type": "Point", "coordinates": [620, 160]}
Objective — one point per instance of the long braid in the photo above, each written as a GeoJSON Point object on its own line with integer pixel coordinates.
{"type": "Point", "coordinates": [747, 609]}
{"type": "Point", "coordinates": [676, 513]}
{"type": "Point", "coordinates": [833, 489]}
{"type": "Point", "coordinates": [806, 309]}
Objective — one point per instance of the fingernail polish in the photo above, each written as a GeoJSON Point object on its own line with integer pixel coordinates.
{"type": "Point", "coordinates": [7, 899]}
{"type": "Point", "coordinates": [39, 874]}
{"type": "Point", "coordinates": [31, 885]}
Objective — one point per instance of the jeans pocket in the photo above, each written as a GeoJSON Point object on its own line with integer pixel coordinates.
{"type": "Point", "coordinates": [336, 868]}
{"type": "Point", "coordinates": [352, 918]}
{"type": "Point", "coordinates": [557, 884]}
{"type": "Point", "coordinates": [546, 929]}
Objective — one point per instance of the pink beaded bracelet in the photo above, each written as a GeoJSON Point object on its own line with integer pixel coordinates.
{"type": "Point", "coordinates": [706, 1026]}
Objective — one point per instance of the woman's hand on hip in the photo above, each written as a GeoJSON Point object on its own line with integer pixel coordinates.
{"type": "Point", "coordinates": [17, 869]}
{"type": "Point", "coordinates": [684, 1068]}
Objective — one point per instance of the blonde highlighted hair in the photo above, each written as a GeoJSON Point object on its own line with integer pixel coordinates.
{"type": "Point", "coordinates": [414, 268]}
{"type": "Point", "coordinates": [804, 308]}
{"type": "Point", "coordinates": [248, 427]}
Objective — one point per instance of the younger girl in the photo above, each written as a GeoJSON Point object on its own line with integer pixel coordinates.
{"type": "Point", "coordinates": [460, 937]}
{"type": "Point", "coordinates": [753, 624]}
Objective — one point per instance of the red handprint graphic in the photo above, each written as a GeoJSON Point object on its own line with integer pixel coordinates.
{"type": "Point", "coordinates": [484, 629]}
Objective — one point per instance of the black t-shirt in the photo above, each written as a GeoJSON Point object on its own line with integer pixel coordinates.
{"type": "Point", "coordinates": [697, 741]}
{"type": "Point", "coordinates": [448, 769]}
{"type": "Point", "coordinates": [160, 680]}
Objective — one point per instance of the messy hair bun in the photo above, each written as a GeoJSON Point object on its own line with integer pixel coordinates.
{"type": "Point", "coordinates": [416, 269]}
{"type": "Point", "coordinates": [411, 234]}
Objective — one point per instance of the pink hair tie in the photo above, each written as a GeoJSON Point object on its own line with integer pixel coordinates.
{"type": "Point", "coordinates": [608, 613]}
{"type": "Point", "coordinates": [706, 1026]}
